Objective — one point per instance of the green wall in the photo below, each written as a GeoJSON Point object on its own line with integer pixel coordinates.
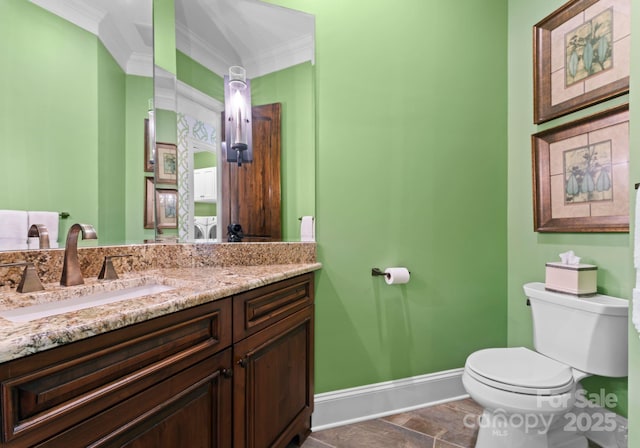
{"type": "Point", "coordinates": [71, 125]}
{"type": "Point", "coordinates": [164, 35]}
{"type": "Point", "coordinates": [49, 114]}
{"type": "Point", "coordinates": [111, 149]}
{"type": "Point", "coordinates": [139, 91]}
{"type": "Point", "coordinates": [528, 250]}
{"type": "Point", "coordinates": [199, 77]}
{"type": "Point", "coordinates": [411, 103]}
{"type": "Point", "coordinates": [293, 89]}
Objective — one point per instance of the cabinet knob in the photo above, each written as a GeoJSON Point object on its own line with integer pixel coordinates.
{"type": "Point", "coordinates": [242, 362]}
{"type": "Point", "coordinates": [227, 373]}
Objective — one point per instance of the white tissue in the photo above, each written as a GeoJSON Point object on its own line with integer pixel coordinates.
{"type": "Point", "coordinates": [307, 229]}
{"type": "Point", "coordinates": [569, 258]}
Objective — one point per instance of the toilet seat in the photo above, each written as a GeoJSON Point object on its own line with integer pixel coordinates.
{"type": "Point", "coordinates": [520, 370]}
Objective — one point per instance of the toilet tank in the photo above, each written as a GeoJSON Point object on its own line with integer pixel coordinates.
{"type": "Point", "coordinates": [587, 333]}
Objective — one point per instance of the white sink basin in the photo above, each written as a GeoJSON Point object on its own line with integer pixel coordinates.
{"type": "Point", "coordinates": [40, 310]}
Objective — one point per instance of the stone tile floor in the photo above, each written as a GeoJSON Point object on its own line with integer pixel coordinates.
{"type": "Point", "coordinates": [440, 426]}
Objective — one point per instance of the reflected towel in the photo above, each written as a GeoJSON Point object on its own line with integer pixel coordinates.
{"type": "Point", "coordinates": [635, 317]}
{"type": "Point", "coordinates": [13, 244]}
{"type": "Point", "coordinates": [13, 225]}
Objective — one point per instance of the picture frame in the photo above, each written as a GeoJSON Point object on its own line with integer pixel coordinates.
{"type": "Point", "coordinates": [148, 150]}
{"type": "Point", "coordinates": [149, 216]}
{"type": "Point", "coordinates": [581, 56]}
{"type": "Point", "coordinates": [165, 206]}
{"type": "Point", "coordinates": [581, 174]}
{"type": "Point", "coordinates": [167, 160]}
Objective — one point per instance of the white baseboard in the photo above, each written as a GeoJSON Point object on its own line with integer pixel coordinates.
{"type": "Point", "coordinates": [356, 404]}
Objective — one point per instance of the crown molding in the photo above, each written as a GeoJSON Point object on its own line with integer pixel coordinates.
{"type": "Point", "coordinates": [291, 53]}
{"type": "Point", "coordinates": [199, 50]}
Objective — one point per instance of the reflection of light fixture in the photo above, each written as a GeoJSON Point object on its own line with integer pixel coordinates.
{"type": "Point", "coordinates": [237, 109]}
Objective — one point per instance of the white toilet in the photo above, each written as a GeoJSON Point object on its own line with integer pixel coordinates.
{"type": "Point", "coordinates": [526, 393]}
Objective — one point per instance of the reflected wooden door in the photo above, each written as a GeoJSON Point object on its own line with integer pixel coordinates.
{"type": "Point", "coordinates": [251, 192]}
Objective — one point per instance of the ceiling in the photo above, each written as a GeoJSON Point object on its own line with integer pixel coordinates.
{"type": "Point", "coordinates": [262, 38]}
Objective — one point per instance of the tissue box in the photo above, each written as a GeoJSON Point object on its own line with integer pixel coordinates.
{"type": "Point", "coordinates": [577, 279]}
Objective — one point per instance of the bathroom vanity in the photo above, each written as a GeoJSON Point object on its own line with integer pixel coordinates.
{"type": "Point", "coordinates": [202, 367]}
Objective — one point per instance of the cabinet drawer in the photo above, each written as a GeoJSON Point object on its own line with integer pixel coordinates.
{"type": "Point", "coordinates": [256, 309]}
{"type": "Point", "coordinates": [55, 389]}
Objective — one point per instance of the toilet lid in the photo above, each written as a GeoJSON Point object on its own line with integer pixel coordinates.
{"type": "Point", "coordinates": [519, 369]}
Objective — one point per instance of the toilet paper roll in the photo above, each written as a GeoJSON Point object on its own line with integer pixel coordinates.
{"type": "Point", "coordinates": [397, 276]}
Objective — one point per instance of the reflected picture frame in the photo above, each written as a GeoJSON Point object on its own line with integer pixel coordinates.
{"type": "Point", "coordinates": [581, 56]}
{"type": "Point", "coordinates": [165, 206]}
{"type": "Point", "coordinates": [167, 161]}
{"type": "Point", "coordinates": [148, 151]}
{"type": "Point", "coordinates": [581, 174]}
{"type": "Point", "coordinates": [149, 217]}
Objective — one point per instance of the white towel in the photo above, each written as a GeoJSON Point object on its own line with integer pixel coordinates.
{"type": "Point", "coordinates": [13, 225]}
{"type": "Point", "coordinates": [13, 244]}
{"type": "Point", "coordinates": [635, 317]}
{"type": "Point", "coordinates": [636, 236]}
{"type": "Point", "coordinates": [49, 219]}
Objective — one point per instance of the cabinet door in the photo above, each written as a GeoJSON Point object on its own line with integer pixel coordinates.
{"type": "Point", "coordinates": [189, 409]}
{"type": "Point", "coordinates": [273, 383]}
{"type": "Point", "coordinates": [204, 185]}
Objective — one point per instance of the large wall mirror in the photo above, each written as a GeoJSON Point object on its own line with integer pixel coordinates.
{"type": "Point", "coordinates": [78, 90]}
{"type": "Point", "coordinates": [76, 85]}
{"type": "Point", "coordinates": [276, 48]}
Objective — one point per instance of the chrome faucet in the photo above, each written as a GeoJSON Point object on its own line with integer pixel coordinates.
{"type": "Point", "coordinates": [41, 231]}
{"type": "Point", "coordinates": [71, 273]}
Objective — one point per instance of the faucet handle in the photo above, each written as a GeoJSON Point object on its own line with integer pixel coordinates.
{"type": "Point", "coordinates": [30, 282]}
{"type": "Point", "coordinates": [108, 271]}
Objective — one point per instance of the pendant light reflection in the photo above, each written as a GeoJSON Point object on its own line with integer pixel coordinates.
{"type": "Point", "coordinates": [237, 109]}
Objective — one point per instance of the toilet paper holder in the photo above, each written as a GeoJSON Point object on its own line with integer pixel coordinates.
{"type": "Point", "coordinates": [376, 272]}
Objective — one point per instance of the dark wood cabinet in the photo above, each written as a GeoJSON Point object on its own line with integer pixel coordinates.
{"type": "Point", "coordinates": [236, 372]}
{"type": "Point", "coordinates": [273, 354]}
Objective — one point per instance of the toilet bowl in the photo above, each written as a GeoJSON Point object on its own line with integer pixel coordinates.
{"type": "Point", "coordinates": [527, 394]}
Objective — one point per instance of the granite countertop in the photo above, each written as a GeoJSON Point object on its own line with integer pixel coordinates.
{"type": "Point", "coordinates": [192, 286]}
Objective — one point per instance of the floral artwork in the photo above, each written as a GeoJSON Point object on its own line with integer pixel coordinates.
{"type": "Point", "coordinates": [588, 48]}
{"type": "Point", "coordinates": [581, 174]}
{"type": "Point", "coordinates": [588, 173]}
{"type": "Point", "coordinates": [581, 56]}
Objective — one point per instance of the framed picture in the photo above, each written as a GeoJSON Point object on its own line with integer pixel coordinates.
{"type": "Point", "coordinates": [581, 56]}
{"type": "Point", "coordinates": [166, 206]}
{"type": "Point", "coordinates": [149, 218]}
{"type": "Point", "coordinates": [148, 150]}
{"type": "Point", "coordinates": [167, 160]}
{"type": "Point", "coordinates": [581, 175]}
